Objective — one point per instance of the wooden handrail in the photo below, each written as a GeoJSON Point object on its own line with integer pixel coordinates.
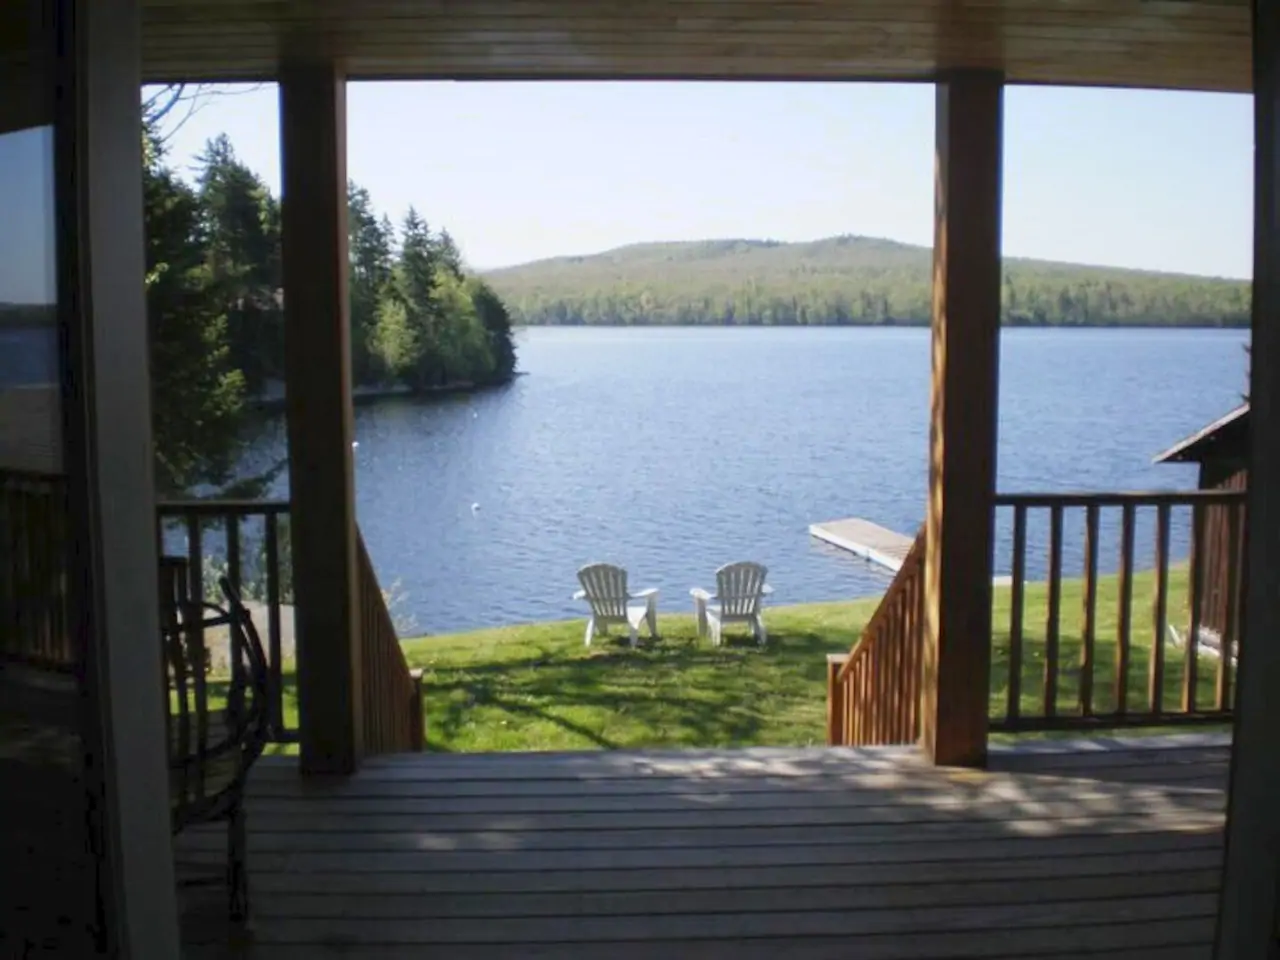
{"type": "Point", "coordinates": [392, 693]}
{"type": "Point", "coordinates": [223, 508]}
{"type": "Point", "coordinates": [1148, 498]}
{"type": "Point", "coordinates": [873, 692]}
{"type": "Point", "coordinates": [1143, 614]}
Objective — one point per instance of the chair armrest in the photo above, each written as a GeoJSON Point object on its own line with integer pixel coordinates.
{"type": "Point", "coordinates": [699, 594]}
{"type": "Point", "coordinates": [645, 594]}
{"type": "Point", "coordinates": [766, 590]}
{"type": "Point", "coordinates": [580, 595]}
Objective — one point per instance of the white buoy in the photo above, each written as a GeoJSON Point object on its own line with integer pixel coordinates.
{"type": "Point", "coordinates": [475, 508]}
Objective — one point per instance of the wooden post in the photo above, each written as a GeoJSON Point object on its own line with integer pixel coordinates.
{"type": "Point", "coordinates": [113, 571]}
{"type": "Point", "coordinates": [962, 436]}
{"type": "Point", "coordinates": [1249, 910]}
{"type": "Point", "coordinates": [313, 120]}
{"type": "Point", "coordinates": [837, 693]}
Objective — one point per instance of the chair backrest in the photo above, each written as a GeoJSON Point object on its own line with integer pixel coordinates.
{"type": "Point", "coordinates": [739, 587]}
{"type": "Point", "coordinates": [217, 724]}
{"type": "Point", "coordinates": [606, 588]}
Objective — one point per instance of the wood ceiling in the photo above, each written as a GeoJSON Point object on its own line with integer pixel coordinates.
{"type": "Point", "coordinates": [1177, 44]}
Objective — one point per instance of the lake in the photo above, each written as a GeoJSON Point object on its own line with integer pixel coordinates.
{"type": "Point", "coordinates": [673, 451]}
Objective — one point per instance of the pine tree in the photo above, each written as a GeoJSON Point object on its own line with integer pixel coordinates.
{"type": "Point", "coordinates": [198, 394]}
{"type": "Point", "coordinates": [242, 222]}
{"type": "Point", "coordinates": [415, 280]}
{"type": "Point", "coordinates": [370, 242]}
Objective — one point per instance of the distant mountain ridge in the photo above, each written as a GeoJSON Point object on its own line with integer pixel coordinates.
{"type": "Point", "coordinates": [845, 280]}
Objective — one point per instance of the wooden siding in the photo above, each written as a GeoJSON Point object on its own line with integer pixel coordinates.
{"type": "Point", "coordinates": [1222, 551]}
{"type": "Point", "coordinates": [1197, 44]}
{"type": "Point", "coordinates": [1110, 848]}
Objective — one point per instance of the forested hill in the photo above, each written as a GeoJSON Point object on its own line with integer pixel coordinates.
{"type": "Point", "coordinates": [840, 280]}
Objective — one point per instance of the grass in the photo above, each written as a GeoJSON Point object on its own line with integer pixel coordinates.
{"type": "Point", "coordinates": [537, 687]}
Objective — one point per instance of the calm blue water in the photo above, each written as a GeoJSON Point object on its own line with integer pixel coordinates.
{"type": "Point", "coordinates": [674, 451]}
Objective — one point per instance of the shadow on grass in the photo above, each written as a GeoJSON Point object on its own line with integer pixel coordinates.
{"type": "Point", "coordinates": [672, 691]}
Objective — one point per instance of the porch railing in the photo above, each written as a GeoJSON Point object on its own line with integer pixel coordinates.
{"type": "Point", "coordinates": [873, 692]}
{"type": "Point", "coordinates": [33, 580]}
{"type": "Point", "coordinates": [1131, 618]}
{"type": "Point", "coordinates": [392, 693]}
{"type": "Point", "coordinates": [247, 541]}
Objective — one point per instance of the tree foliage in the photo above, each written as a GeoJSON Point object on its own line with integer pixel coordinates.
{"type": "Point", "coordinates": [839, 281]}
{"type": "Point", "coordinates": [215, 308]}
{"type": "Point", "coordinates": [198, 394]}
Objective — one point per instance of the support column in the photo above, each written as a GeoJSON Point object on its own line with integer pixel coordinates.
{"type": "Point", "coordinates": [112, 581]}
{"type": "Point", "coordinates": [1249, 910]}
{"type": "Point", "coordinates": [313, 121]}
{"type": "Point", "coordinates": [959, 527]}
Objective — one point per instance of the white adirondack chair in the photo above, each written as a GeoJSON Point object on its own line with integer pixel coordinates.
{"type": "Point", "coordinates": [740, 591]}
{"type": "Point", "coordinates": [604, 587]}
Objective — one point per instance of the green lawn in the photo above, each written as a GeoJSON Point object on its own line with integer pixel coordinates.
{"type": "Point", "coordinates": [537, 687]}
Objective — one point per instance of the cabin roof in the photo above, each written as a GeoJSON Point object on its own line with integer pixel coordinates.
{"type": "Point", "coordinates": [1172, 44]}
{"type": "Point", "coordinates": [1227, 438]}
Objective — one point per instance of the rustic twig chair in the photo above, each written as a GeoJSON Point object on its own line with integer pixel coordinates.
{"type": "Point", "coordinates": [217, 727]}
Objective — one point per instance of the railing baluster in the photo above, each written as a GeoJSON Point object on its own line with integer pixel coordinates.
{"type": "Point", "coordinates": [1054, 612]}
{"type": "Point", "coordinates": [1191, 659]}
{"type": "Point", "coordinates": [1017, 599]}
{"type": "Point", "coordinates": [835, 699]}
{"type": "Point", "coordinates": [1226, 651]}
{"type": "Point", "coordinates": [1089, 629]}
{"type": "Point", "coordinates": [1124, 628]}
{"type": "Point", "coordinates": [232, 521]}
{"type": "Point", "coordinates": [1216, 583]}
{"type": "Point", "coordinates": [195, 575]}
{"type": "Point", "coordinates": [275, 655]}
{"type": "Point", "coordinates": [1160, 613]}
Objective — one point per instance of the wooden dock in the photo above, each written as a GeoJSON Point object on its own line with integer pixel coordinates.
{"type": "Point", "coordinates": [865, 539]}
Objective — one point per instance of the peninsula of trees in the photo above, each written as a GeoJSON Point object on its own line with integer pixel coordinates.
{"type": "Point", "coordinates": [215, 308]}
{"type": "Point", "coordinates": [840, 281]}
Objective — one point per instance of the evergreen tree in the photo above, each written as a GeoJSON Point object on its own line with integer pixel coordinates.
{"type": "Point", "coordinates": [416, 278]}
{"type": "Point", "coordinates": [370, 241]}
{"type": "Point", "coordinates": [242, 221]}
{"type": "Point", "coordinates": [197, 391]}
{"type": "Point", "coordinates": [448, 254]}
{"type": "Point", "coordinates": [497, 324]}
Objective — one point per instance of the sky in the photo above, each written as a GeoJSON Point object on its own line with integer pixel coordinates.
{"type": "Point", "coordinates": [521, 171]}
{"type": "Point", "coordinates": [27, 248]}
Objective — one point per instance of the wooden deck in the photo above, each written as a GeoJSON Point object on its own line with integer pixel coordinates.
{"type": "Point", "coordinates": [865, 539]}
{"type": "Point", "coordinates": [1106, 849]}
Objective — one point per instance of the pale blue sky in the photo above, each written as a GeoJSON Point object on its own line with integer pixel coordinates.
{"type": "Point", "coordinates": [27, 251]}
{"type": "Point", "coordinates": [519, 171]}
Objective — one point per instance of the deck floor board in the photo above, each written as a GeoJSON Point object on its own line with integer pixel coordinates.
{"type": "Point", "coordinates": [1058, 850]}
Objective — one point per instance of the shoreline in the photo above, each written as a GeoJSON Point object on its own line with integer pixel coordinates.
{"type": "Point", "coordinates": [275, 401]}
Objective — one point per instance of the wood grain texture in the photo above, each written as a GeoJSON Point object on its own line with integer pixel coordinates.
{"type": "Point", "coordinates": [1191, 45]}
{"type": "Point", "coordinates": [1247, 928]}
{"type": "Point", "coordinates": [313, 131]}
{"type": "Point", "coordinates": [965, 355]}
{"type": "Point", "coordinates": [873, 692]}
{"type": "Point", "coordinates": [1060, 849]}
